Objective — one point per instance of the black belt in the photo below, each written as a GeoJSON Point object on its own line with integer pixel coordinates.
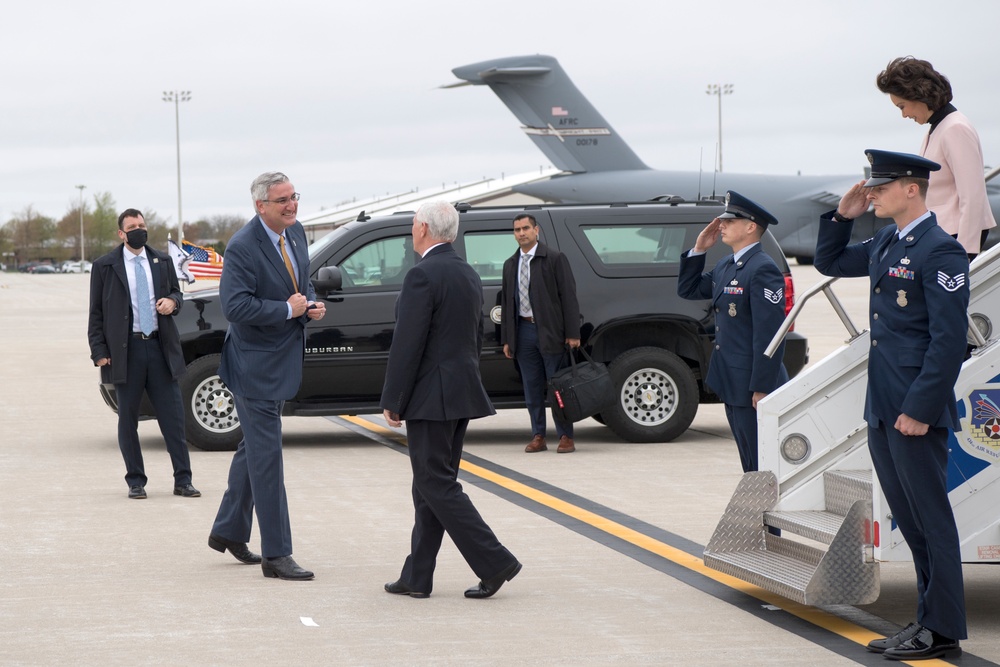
{"type": "Point", "coordinates": [527, 319]}
{"type": "Point", "coordinates": [139, 334]}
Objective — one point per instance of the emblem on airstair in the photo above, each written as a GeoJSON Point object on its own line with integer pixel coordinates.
{"type": "Point", "coordinates": [980, 434]}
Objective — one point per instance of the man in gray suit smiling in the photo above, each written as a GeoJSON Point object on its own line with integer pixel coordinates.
{"type": "Point", "coordinates": [268, 299]}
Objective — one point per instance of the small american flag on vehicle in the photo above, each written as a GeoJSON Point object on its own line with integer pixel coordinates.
{"type": "Point", "coordinates": [205, 262]}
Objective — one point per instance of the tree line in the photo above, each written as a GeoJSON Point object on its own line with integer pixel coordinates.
{"type": "Point", "coordinates": [29, 236]}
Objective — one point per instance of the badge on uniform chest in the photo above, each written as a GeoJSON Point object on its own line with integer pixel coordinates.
{"type": "Point", "coordinates": [901, 298]}
{"type": "Point", "coordinates": [729, 289]}
{"type": "Point", "coordinates": [732, 310]}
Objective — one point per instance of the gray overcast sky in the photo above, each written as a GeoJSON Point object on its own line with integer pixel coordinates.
{"type": "Point", "coordinates": [343, 96]}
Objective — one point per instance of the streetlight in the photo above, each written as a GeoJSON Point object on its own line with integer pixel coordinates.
{"type": "Point", "coordinates": [178, 96]}
{"type": "Point", "coordinates": [720, 90]}
{"type": "Point", "coordinates": [80, 188]}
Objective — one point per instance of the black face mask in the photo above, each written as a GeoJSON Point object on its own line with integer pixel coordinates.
{"type": "Point", "coordinates": [136, 238]}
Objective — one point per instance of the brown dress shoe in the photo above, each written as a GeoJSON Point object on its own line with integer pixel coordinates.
{"type": "Point", "coordinates": [565, 445]}
{"type": "Point", "coordinates": [537, 444]}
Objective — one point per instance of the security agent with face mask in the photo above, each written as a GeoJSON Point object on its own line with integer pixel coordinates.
{"type": "Point", "coordinates": [918, 305]}
{"type": "Point", "coordinates": [134, 294]}
{"type": "Point", "coordinates": [748, 296]}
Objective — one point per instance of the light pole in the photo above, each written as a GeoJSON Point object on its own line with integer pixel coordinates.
{"type": "Point", "coordinates": [178, 96]}
{"type": "Point", "coordinates": [80, 188]}
{"type": "Point", "coordinates": [719, 90]}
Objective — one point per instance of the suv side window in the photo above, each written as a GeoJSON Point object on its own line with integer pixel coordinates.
{"type": "Point", "coordinates": [487, 251]}
{"type": "Point", "coordinates": [637, 244]}
{"type": "Point", "coordinates": [382, 262]}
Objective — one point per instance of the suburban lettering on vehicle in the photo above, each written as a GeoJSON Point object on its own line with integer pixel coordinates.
{"type": "Point", "coordinates": [325, 350]}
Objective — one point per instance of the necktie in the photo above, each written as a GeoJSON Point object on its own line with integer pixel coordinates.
{"type": "Point", "coordinates": [892, 241]}
{"type": "Point", "coordinates": [522, 285]}
{"type": "Point", "coordinates": [142, 297]}
{"type": "Point", "coordinates": [288, 262]}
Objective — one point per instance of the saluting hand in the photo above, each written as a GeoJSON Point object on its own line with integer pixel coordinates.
{"type": "Point", "coordinates": [855, 201]}
{"type": "Point", "coordinates": [708, 236]}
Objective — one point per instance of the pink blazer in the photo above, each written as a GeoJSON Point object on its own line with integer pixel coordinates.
{"type": "Point", "coordinates": [957, 193]}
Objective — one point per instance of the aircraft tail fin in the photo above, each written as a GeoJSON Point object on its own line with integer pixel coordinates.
{"type": "Point", "coordinates": [554, 113]}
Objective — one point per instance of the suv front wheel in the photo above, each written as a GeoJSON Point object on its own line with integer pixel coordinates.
{"type": "Point", "coordinates": [210, 419]}
{"type": "Point", "coordinates": [657, 396]}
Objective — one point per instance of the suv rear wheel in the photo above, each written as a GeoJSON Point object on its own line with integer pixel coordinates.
{"type": "Point", "coordinates": [657, 396]}
{"type": "Point", "coordinates": [210, 419]}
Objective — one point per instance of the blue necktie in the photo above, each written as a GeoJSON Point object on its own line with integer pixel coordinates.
{"type": "Point", "coordinates": [142, 297]}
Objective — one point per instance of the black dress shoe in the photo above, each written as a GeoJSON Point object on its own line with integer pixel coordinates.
{"type": "Point", "coordinates": [399, 588]}
{"type": "Point", "coordinates": [187, 491]}
{"type": "Point", "coordinates": [880, 645]}
{"type": "Point", "coordinates": [238, 549]}
{"type": "Point", "coordinates": [136, 492]}
{"type": "Point", "coordinates": [924, 645]}
{"type": "Point", "coordinates": [283, 567]}
{"type": "Point", "coordinates": [487, 587]}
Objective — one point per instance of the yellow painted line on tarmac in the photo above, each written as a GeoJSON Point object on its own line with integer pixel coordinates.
{"type": "Point", "coordinates": [818, 617]}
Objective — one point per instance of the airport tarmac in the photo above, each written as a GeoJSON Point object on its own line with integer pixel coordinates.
{"type": "Point", "coordinates": [610, 538]}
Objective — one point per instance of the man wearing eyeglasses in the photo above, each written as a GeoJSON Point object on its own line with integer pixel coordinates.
{"type": "Point", "coordinates": [268, 299]}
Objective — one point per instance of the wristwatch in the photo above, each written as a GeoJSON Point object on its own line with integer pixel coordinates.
{"type": "Point", "coordinates": [839, 218]}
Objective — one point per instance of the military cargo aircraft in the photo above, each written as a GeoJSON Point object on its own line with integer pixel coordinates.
{"type": "Point", "coordinates": [598, 166]}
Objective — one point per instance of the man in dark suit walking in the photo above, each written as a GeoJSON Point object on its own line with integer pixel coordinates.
{"type": "Point", "coordinates": [918, 307]}
{"type": "Point", "coordinates": [433, 383]}
{"type": "Point", "coordinates": [540, 317]}
{"type": "Point", "coordinates": [134, 294]}
{"type": "Point", "coordinates": [748, 296]}
{"type": "Point", "coordinates": [268, 299]}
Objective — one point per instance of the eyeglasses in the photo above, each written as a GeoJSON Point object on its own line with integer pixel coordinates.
{"type": "Point", "coordinates": [283, 200]}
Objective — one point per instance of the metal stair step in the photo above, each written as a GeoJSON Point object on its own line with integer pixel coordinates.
{"type": "Point", "coordinates": [812, 524]}
{"type": "Point", "coordinates": [772, 571]}
{"type": "Point", "coordinates": [842, 488]}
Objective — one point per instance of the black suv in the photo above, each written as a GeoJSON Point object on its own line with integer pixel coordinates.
{"type": "Point", "coordinates": [625, 259]}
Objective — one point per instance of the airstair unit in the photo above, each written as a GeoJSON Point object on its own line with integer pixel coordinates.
{"type": "Point", "coordinates": [817, 487]}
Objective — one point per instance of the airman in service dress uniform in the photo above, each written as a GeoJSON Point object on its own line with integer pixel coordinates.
{"type": "Point", "coordinates": [918, 307]}
{"type": "Point", "coordinates": [748, 295]}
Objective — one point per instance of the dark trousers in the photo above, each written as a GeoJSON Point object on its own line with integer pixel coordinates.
{"type": "Point", "coordinates": [148, 371]}
{"type": "Point", "coordinates": [743, 423]}
{"type": "Point", "coordinates": [257, 481]}
{"type": "Point", "coordinates": [440, 505]}
{"type": "Point", "coordinates": [536, 369]}
{"type": "Point", "coordinates": [913, 473]}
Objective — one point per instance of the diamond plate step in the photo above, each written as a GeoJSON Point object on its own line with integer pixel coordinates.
{"type": "Point", "coordinates": [813, 524]}
{"type": "Point", "coordinates": [842, 488]}
{"type": "Point", "coordinates": [843, 573]}
{"type": "Point", "coordinates": [775, 572]}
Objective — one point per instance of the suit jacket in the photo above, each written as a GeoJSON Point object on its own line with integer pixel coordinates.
{"type": "Point", "coordinates": [749, 303]}
{"type": "Point", "coordinates": [918, 316]}
{"type": "Point", "coordinates": [110, 323]}
{"type": "Point", "coordinates": [957, 193]}
{"type": "Point", "coordinates": [552, 292]}
{"type": "Point", "coordinates": [433, 369]}
{"type": "Point", "coordinates": [263, 352]}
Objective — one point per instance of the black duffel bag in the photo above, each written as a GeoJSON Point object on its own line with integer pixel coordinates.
{"type": "Point", "coordinates": [581, 389]}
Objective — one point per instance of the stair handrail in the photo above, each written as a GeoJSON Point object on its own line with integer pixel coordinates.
{"type": "Point", "coordinates": [800, 301]}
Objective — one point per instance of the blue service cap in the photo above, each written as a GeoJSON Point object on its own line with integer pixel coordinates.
{"type": "Point", "coordinates": [738, 206]}
{"type": "Point", "coordinates": [888, 166]}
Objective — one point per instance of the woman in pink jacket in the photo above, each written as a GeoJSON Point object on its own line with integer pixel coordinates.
{"type": "Point", "coordinates": [957, 193]}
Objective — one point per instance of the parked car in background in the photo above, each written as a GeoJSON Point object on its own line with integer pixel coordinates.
{"type": "Point", "coordinates": [43, 268]}
{"type": "Point", "coordinates": [75, 267]}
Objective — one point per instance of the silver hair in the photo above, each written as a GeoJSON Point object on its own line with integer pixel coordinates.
{"type": "Point", "coordinates": [441, 218]}
{"type": "Point", "coordinates": [263, 184]}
